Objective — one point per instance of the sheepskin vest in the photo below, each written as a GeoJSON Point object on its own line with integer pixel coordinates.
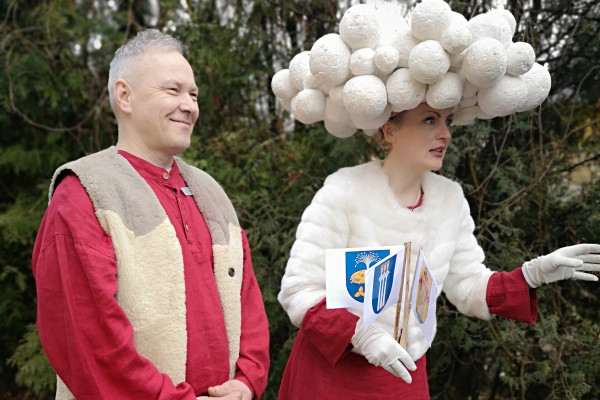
{"type": "Point", "coordinates": [151, 286]}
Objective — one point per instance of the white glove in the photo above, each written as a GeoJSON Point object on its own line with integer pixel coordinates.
{"type": "Point", "coordinates": [380, 349]}
{"type": "Point", "coordinates": [564, 263]}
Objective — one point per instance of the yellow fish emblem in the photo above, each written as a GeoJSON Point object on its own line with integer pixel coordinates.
{"type": "Point", "coordinates": [358, 278]}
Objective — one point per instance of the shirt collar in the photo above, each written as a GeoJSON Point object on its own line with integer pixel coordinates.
{"type": "Point", "coordinates": [150, 171]}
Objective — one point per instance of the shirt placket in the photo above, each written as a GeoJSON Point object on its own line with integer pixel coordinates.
{"type": "Point", "coordinates": [180, 202]}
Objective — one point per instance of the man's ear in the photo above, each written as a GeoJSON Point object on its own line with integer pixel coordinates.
{"type": "Point", "coordinates": [122, 94]}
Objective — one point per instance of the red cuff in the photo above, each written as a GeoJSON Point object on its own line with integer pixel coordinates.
{"type": "Point", "coordinates": [330, 331]}
{"type": "Point", "coordinates": [240, 377]}
{"type": "Point", "coordinates": [509, 296]}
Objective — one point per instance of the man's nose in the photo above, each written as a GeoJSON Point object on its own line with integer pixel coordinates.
{"type": "Point", "coordinates": [189, 104]}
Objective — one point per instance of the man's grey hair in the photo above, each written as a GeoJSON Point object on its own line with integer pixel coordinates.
{"type": "Point", "coordinates": [145, 40]}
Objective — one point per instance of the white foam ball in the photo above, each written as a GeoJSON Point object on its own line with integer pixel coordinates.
{"type": "Point", "coordinates": [329, 60]}
{"type": "Point", "coordinates": [386, 58]}
{"type": "Point", "coordinates": [504, 98]}
{"type": "Point", "coordinates": [325, 88]}
{"type": "Point", "coordinates": [538, 83]}
{"type": "Point", "coordinates": [308, 106]}
{"type": "Point", "coordinates": [469, 90]}
{"type": "Point", "coordinates": [391, 22]}
{"type": "Point", "coordinates": [457, 37]}
{"type": "Point", "coordinates": [481, 114]}
{"type": "Point", "coordinates": [335, 111]}
{"type": "Point", "coordinates": [446, 92]}
{"type": "Point", "coordinates": [520, 57]}
{"type": "Point", "coordinates": [467, 101]}
{"type": "Point", "coordinates": [428, 61]}
{"type": "Point", "coordinates": [311, 82]}
{"type": "Point", "coordinates": [361, 61]}
{"type": "Point", "coordinates": [299, 69]}
{"type": "Point", "coordinates": [370, 132]}
{"type": "Point", "coordinates": [490, 25]}
{"type": "Point", "coordinates": [365, 96]}
{"type": "Point", "coordinates": [404, 42]}
{"type": "Point", "coordinates": [359, 27]}
{"type": "Point", "coordinates": [342, 130]}
{"type": "Point", "coordinates": [429, 19]}
{"type": "Point", "coordinates": [336, 94]}
{"type": "Point", "coordinates": [363, 122]}
{"type": "Point", "coordinates": [382, 75]}
{"type": "Point", "coordinates": [404, 92]}
{"type": "Point", "coordinates": [484, 62]}
{"type": "Point", "coordinates": [456, 62]}
{"type": "Point", "coordinates": [465, 116]}
{"type": "Point", "coordinates": [508, 17]}
{"type": "Point", "coordinates": [282, 86]}
{"type": "Point", "coordinates": [287, 104]}
{"type": "Point", "coordinates": [457, 18]}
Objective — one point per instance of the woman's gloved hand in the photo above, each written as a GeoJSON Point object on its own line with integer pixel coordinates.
{"type": "Point", "coordinates": [380, 349]}
{"type": "Point", "coordinates": [564, 263]}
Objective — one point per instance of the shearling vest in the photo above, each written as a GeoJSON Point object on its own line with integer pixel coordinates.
{"type": "Point", "coordinates": [150, 274]}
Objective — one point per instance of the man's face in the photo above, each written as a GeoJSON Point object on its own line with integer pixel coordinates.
{"type": "Point", "coordinates": [164, 106]}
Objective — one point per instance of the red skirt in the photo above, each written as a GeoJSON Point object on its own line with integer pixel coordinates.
{"type": "Point", "coordinates": [309, 375]}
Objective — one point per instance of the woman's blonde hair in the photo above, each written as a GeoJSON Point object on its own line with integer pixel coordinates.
{"type": "Point", "coordinates": [379, 136]}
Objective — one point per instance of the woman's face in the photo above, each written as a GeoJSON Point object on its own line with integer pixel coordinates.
{"type": "Point", "coordinates": [420, 137]}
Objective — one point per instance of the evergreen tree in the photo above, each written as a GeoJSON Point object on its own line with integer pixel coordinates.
{"type": "Point", "coordinates": [530, 178]}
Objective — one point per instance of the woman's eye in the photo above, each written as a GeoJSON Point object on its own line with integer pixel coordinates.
{"type": "Point", "coordinates": [429, 120]}
{"type": "Point", "coordinates": [449, 122]}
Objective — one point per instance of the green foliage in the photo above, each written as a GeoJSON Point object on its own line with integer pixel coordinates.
{"type": "Point", "coordinates": [517, 172]}
{"type": "Point", "coordinates": [34, 370]}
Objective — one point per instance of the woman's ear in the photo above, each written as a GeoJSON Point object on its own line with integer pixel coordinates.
{"type": "Point", "coordinates": [122, 94]}
{"type": "Point", "coordinates": [388, 132]}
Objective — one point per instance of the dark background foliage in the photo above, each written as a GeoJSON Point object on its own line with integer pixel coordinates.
{"type": "Point", "coordinates": [531, 179]}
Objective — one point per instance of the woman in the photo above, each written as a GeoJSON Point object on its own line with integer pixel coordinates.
{"type": "Point", "coordinates": [379, 63]}
{"type": "Point", "coordinates": [385, 203]}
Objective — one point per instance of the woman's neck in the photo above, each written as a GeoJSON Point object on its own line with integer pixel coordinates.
{"type": "Point", "coordinates": [405, 183]}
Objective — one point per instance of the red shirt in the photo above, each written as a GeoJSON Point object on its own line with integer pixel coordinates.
{"type": "Point", "coordinates": [321, 365]}
{"type": "Point", "coordinates": [86, 334]}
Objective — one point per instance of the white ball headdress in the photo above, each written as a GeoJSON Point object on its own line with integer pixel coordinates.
{"type": "Point", "coordinates": [379, 64]}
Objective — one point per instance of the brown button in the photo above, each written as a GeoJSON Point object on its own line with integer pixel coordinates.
{"type": "Point", "coordinates": [231, 272]}
{"type": "Point", "coordinates": [165, 175]}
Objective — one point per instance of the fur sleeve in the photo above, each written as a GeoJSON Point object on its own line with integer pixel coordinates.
{"type": "Point", "coordinates": [324, 225]}
{"type": "Point", "coordinates": [467, 279]}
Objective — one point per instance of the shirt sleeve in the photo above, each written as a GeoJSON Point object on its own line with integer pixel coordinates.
{"type": "Point", "coordinates": [253, 362]}
{"type": "Point", "coordinates": [85, 333]}
{"type": "Point", "coordinates": [509, 296]}
{"type": "Point", "coordinates": [329, 331]}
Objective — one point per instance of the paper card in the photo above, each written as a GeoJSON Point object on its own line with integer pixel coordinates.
{"type": "Point", "coordinates": [382, 286]}
{"type": "Point", "coordinates": [424, 295]}
{"type": "Point", "coordinates": [345, 273]}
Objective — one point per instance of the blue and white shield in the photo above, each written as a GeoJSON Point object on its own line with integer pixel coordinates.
{"type": "Point", "coordinates": [382, 284]}
{"type": "Point", "coordinates": [357, 262]}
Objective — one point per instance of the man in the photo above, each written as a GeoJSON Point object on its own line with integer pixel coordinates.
{"type": "Point", "coordinates": [144, 278]}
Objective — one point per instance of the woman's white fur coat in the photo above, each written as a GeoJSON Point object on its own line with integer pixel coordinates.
{"type": "Point", "coordinates": [356, 208]}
